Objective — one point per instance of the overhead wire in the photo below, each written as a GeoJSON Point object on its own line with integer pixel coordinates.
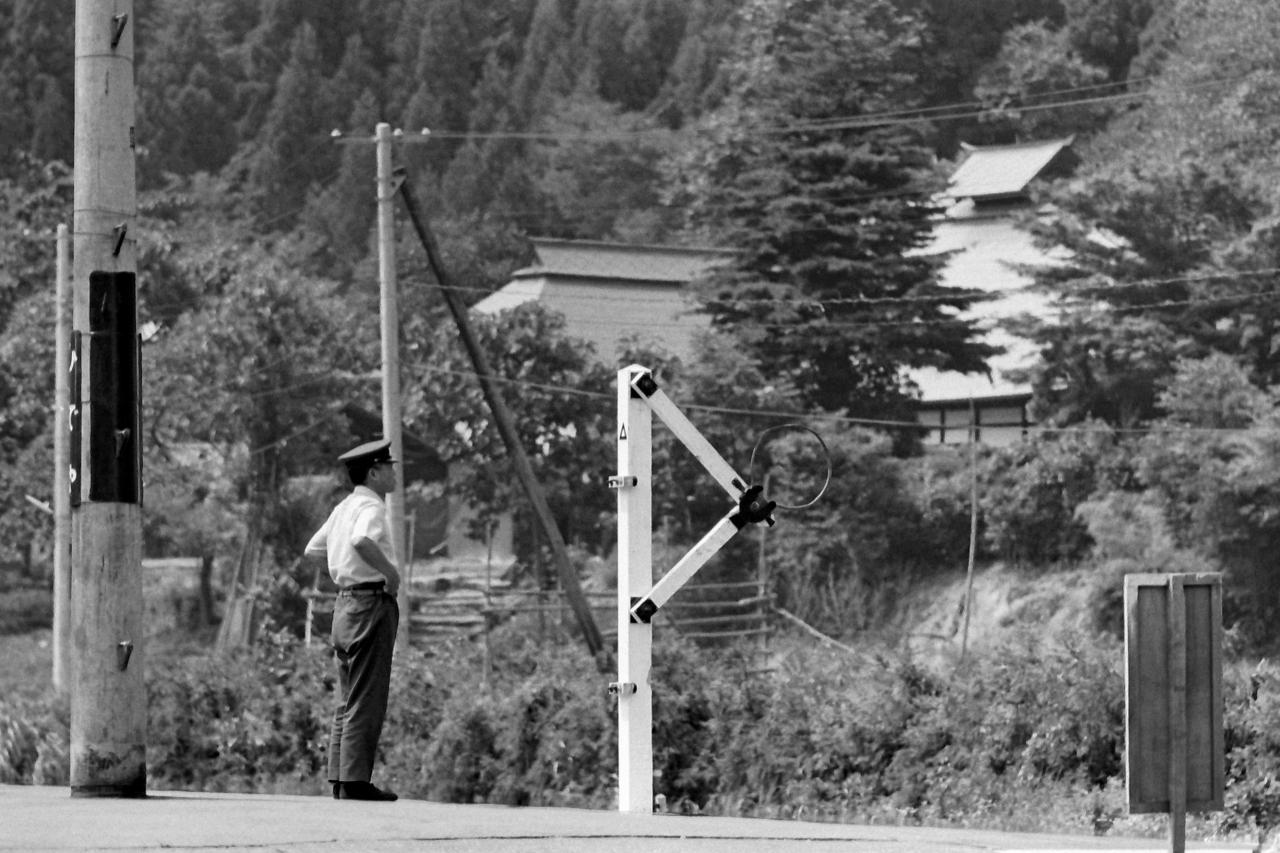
{"type": "Point", "coordinates": [800, 417]}
{"type": "Point", "coordinates": [859, 121]}
{"type": "Point", "coordinates": [881, 118]}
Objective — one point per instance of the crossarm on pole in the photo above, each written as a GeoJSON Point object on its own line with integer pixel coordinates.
{"type": "Point", "coordinates": [685, 568]}
{"type": "Point", "coordinates": [750, 510]}
{"type": "Point", "coordinates": [689, 436]}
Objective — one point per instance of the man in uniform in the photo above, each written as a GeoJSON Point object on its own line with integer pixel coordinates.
{"type": "Point", "coordinates": [356, 543]}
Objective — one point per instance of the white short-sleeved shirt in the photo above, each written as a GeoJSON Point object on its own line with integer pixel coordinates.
{"type": "Point", "coordinates": [360, 514]}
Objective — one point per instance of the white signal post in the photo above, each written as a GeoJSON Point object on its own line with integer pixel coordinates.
{"type": "Point", "coordinates": [639, 598]}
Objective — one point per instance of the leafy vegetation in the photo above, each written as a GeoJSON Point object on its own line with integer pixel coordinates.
{"type": "Point", "coordinates": [807, 136]}
{"type": "Point", "coordinates": [1025, 734]}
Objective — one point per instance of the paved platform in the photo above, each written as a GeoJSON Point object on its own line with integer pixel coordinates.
{"type": "Point", "coordinates": [36, 819]}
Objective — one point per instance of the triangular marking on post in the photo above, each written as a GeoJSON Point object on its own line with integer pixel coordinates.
{"type": "Point", "coordinates": [622, 433]}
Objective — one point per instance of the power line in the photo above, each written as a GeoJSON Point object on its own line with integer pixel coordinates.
{"type": "Point", "coordinates": [873, 121]}
{"type": "Point", "coordinates": [882, 118]}
{"type": "Point", "coordinates": [828, 417]}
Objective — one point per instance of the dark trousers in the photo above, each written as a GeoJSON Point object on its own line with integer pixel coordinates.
{"type": "Point", "coordinates": [364, 636]}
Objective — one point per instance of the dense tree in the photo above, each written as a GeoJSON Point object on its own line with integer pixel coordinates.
{"type": "Point", "coordinates": [32, 203]}
{"type": "Point", "coordinates": [1173, 237]}
{"type": "Point", "coordinates": [1173, 220]}
{"type": "Point", "coordinates": [557, 392]}
{"type": "Point", "coordinates": [340, 213]}
{"type": "Point", "coordinates": [694, 83]}
{"type": "Point", "coordinates": [957, 41]}
{"type": "Point", "coordinates": [186, 87]}
{"type": "Point", "coordinates": [1038, 87]}
{"type": "Point", "coordinates": [257, 373]}
{"type": "Point", "coordinates": [1211, 465]}
{"type": "Point", "coordinates": [1108, 33]}
{"type": "Point", "coordinates": [628, 46]}
{"type": "Point", "coordinates": [26, 430]}
{"type": "Point", "coordinates": [831, 288]}
{"type": "Point", "coordinates": [603, 176]}
{"type": "Point", "coordinates": [36, 78]}
{"type": "Point", "coordinates": [293, 148]}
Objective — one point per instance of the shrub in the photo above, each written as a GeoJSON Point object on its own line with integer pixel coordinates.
{"type": "Point", "coordinates": [1030, 492]}
{"type": "Point", "coordinates": [253, 720]}
{"type": "Point", "coordinates": [1252, 724]}
{"type": "Point", "coordinates": [34, 741]}
{"type": "Point", "coordinates": [1026, 735]}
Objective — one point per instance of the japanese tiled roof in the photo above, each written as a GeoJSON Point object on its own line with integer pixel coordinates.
{"type": "Point", "coordinates": [1002, 171]}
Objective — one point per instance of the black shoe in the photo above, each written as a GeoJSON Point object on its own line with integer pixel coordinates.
{"type": "Point", "coordinates": [364, 791]}
{"type": "Point", "coordinates": [337, 788]}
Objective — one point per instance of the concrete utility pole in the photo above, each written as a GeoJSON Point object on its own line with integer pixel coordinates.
{"type": "Point", "coordinates": [390, 312]}
{"type": "Point", "coordinates": [62, 466]}
{"type": "Point", "coordinates": [108, 695]}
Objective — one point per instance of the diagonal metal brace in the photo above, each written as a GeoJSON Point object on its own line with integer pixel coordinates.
{"type": "Point", "coordinates": [750, 511]}
{"type": "Point", "coordinates": [720, 470]}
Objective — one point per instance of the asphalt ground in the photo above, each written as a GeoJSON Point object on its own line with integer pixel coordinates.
{"type": "Point", "coordinates": [35, 819]}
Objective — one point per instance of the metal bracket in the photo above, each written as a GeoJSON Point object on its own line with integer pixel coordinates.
{"type": "Point", "coordinates": [124, 651]}
{"type": "Point", "coordinates": [622, 688]}
{"type": "Point", "coordinates": [619, 482]}
{"type": "Point", "coordinates": [751, 510]}
{"type": "Point", "coordinates": [642, 610]}
{"type": "Point", "coordinates": [118, 23]}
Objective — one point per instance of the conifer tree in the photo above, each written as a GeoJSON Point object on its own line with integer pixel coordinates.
{"type": "Point", "coordinates": [185, 92]}
{"type": "Point", "coordinates": [292, 147]}
{"type": "Point", "coordinates": [832, 288]}
{"type": "Point", "coordinates": [341, 212]}
{"type": "Point", "coordinates": [36, 78]}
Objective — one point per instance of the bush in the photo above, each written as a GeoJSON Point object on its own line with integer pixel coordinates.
{"type": "Point", "coordinates": [894, 738]}
{"type": "Point", "coordinates": [1252, 723]}
{"type": "Point", "coordinates": [1027, 735]}
{"type": "Point", "coordinates": [253, 720]}
{"type": "Point", "coordinates": [1030, 492]}
{"type": "Point", "coordinates": [34, 741]}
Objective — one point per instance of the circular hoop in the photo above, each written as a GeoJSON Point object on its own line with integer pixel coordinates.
{"type": "Point", "coordinates": [826, 452]}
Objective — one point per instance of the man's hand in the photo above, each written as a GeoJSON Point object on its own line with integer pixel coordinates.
{"type": "Point", "coordinates": [372, 554]}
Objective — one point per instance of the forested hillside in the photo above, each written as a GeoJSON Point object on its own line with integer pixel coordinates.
{"type": "Point", "coordinates": [810, 135]}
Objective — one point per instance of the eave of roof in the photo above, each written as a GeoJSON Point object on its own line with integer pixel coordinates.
{"type": "Point", "coordinates": [993, 172]}
{"type": "Point", "coordinates": [621, 262]}
{"type": "Point", "coordinates": [1009, 397]}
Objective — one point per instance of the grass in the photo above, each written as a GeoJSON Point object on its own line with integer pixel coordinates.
{"type": "Point", "coordinates": [25, 608]}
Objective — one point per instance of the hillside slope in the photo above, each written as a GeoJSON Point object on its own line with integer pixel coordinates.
{"type": "Point", "coordinates": [931, 616]}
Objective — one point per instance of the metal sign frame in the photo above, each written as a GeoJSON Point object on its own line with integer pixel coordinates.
{"type": "Point", "coordinates": [639, 598]}
{"type": "Point", "coordinates": [1174, 737]}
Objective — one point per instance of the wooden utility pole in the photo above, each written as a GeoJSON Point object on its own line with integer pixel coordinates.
{"type": "Point", "coordinates": [390, 313]}
{"type": "Point", "coordinates": [973, 524]}
{"type": "Point", "coordinates": [108, 695]}
{"type": "Point", "coordinates": [505, 423]}
{"type": "Point", "coordinates": [62, 466]}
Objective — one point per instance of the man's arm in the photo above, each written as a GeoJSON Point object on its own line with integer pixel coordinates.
{"type": "Point", "coordinates": [318, 559]}
{"type": "Point", "coordinates": [372, 554]}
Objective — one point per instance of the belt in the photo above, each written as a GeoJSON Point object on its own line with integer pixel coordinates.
{"type": "Point", "coordinates": [369, 588]}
